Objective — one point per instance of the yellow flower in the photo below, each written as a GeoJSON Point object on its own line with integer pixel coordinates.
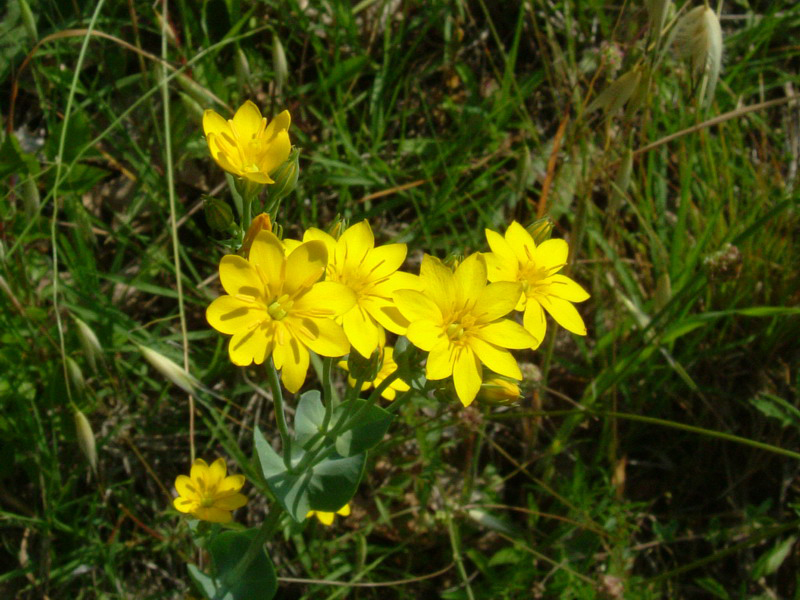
{"type": "Point", "coordinates": [457, 317]}
{"type": "Point", "coordinates": [326, 518]}
{"type": "Point", "coordinates": [245, 145]}
{"type": "Point", "coordinates": [276, 306]}
{"type": "Point", "coordinates": [372, 273]}
{"type": "Point", "coordinates": [207, 494]}
{"type": "Point", "coordinates": [388, 366]}
{"type": "Point", "coordinates": [516, 257]}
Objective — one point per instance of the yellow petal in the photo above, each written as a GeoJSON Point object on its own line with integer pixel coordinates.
{"type": "Point", "coordinates": [344, 511]}
{"type": "Point", "coordinates": [214, 123]}
{"type": "Point", "coordinates": [247, 122]}
{"type": "Point", "coordinates": [267, 254]}
{"type": "Point", "coordinates": [352, 247]}
{"type": "Point", "coordinates": [184, 505]}
{"type": "Point", "coordinates": [213, 515]}
{"type": "Point", "coordinates": [441, 361]}
{"type": "Point", "coordinates": [231, 502]}
{"type": "Point", "coordinates": [470, 279]}
{"type": "Point", "coordinates": [228, 314]}
{"type": "Point", "coordinates": [437, 282]}
{"type": "Point", "coordinates": [565, 288]}
{"type": "Point", "coordinates": [326, 518]}
{"type": "Point", "coordinates": [295, 365]}
{"type": "Point", "coordinates": [564, 313]}
{"type": "Point", "coordinates": [467, 376]}
{"type": "Point", "coordinates": [361, 331]}
{"type": "Point", "coordinates": [385, 313]}
{"type": "Point", "coordinates": [425, 334]}
{"type": "Point", "coordinates": [186, 488]}
{"type": "Point", "coordinates": [552, 255]}
{"type": "Point", "coordinates": [328, 337]}
{"type": "Point", "coordinates": [496, 300]}
{"type": "Point", "coordinates": [256, 176]}
{"type": "Point", "coordinates": [279, 123]}
{"type": "Point", "coordinates": [416, 306]}
{"type": "Point", "coordinates": [521, 243]}
{"type": "Point", "coordinates": [326, 298]}
{"type": "Point", "coordinates": [503, 264]}
{"type": "Point", "coordinates": [248, 347]}
{"type": "Point", "coordinates": [312, 233]}
{"type": "Point", "coordinates": [232, 483]}
{"type": "Point", "coordinates": [228, 161]}
{"type": "Point", "coordinates": [507, 334]}
{"type": "Point", "coordinates": [304, 266]}
{"type": "Point", "coordinates": [239, 277]}
{"type": "Point", "coordinates": [534, 321]}
{"type": "Point", "coordinates": [498, 360]}
{"type": "Point", "coordinates": [199, 472]}
{"type": "Point", "coordinates": [385, 260]}
{"type": "Point", "coordinates": [216, 472]}
{"type": "Point", "coordinates": [275, 154]}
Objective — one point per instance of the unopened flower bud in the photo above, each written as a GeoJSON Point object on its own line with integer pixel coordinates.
{"type": "Point", "coordinates": [169, 369]}
{"type": "Point", "coordinates": [219, 215]}
{"type": "Point", "coordinates": [285, 179]}
{"type": "Point", "coordinates": [85, 435]}
{"type": "Point", "coordinates": [497, 390]}
{"type": "Point", "coordinates": [262, 222]}
{"type": "Point", "coordinates": [338, 225]}
{"type": "Point", "coordinates": [541, 229]}
{"type": "Point", "coordinates": [30, 197]}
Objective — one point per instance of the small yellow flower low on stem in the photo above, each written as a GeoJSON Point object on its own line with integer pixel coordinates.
{"type": "Point", "coordinates": [326, 518]}
{"type": "Point", "coordinates": [208, 494]}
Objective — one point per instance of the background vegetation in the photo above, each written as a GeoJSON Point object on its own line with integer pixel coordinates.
{"type": "Point", "coordinates": [618, 474]}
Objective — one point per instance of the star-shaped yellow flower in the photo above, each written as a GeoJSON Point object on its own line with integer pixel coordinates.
{"type": "Point", "coordinates": [372, 274]}
{"type": "Point", "coordinates": [245, 145]}
{"type": "Point", "coordinates": [516, 257]}
{"type": "Point", "coordinates": [458, 318]}
{"type": "Point", "coordinates": [277, 306]}
{"type": "Point", "coordinates": [207, 494]}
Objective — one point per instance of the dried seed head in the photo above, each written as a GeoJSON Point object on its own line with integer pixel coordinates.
{"type": "Point", "coordinates": [656, 14]}
{"type": "Point", "coordinates": [169, 369]}
{"type": "Point", "coordinates": [618, 93]}
{"type": "Point", "coordinates": [75, 375]}
{"type": "Point", "coordinates": [699, 38]}
{"type": "Point", "coordinates": [83, 430]}
{"type": "Point", "coordinates": [279, 63]}
{"type": "Point", "coordinates": [89, 343]}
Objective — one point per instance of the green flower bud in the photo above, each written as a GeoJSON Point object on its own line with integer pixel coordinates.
{"type": "Point", "coordinates": [285, 178]}
{"type": "Point", "coordinates": [364, 368]}
{"type": "Point", "coordinates": [219, 215]}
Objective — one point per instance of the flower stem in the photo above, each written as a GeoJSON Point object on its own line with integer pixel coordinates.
{"type": "Point", "coordinates": [280, 415]}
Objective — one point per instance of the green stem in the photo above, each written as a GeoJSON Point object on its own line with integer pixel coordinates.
{"type": "Point", "coordinates": [280, 415]}
{"type": "Point", "coordinates": [265, 532]}
{"type": "Point", "coordinates": [327, 392]}
{"type": "Point", "coordinates": [456, 546]}
{"type": "Point", "coordinates": [399, 402]}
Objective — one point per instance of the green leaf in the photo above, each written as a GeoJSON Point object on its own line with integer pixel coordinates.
{"type": "Point", "coordinates": [14, 160]}
{"type": "Point", "coordinates": [258, 581]}
{"type": "Point", "coordinates": [772, 559]}
{"type": "Point", "coordinates": [366, 431]}
{"type": "Point", "coordinates": [327, 486]}
{"type": "Point", "coordinates": [309, 416]}
{"type": "Point", "coordinates": [202, 581]}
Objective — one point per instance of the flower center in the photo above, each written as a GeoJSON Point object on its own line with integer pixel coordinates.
{"type": "Point", "coordinates": [280, 308]}
{"type": "Point", "coordinates": [455, 331]}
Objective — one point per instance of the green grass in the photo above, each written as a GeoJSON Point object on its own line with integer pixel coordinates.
{"type": "Point", "coordinates": [434, 120]}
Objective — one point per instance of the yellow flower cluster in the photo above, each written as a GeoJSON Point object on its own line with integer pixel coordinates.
{"type": "Point", "coordinates": [332, 295]}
